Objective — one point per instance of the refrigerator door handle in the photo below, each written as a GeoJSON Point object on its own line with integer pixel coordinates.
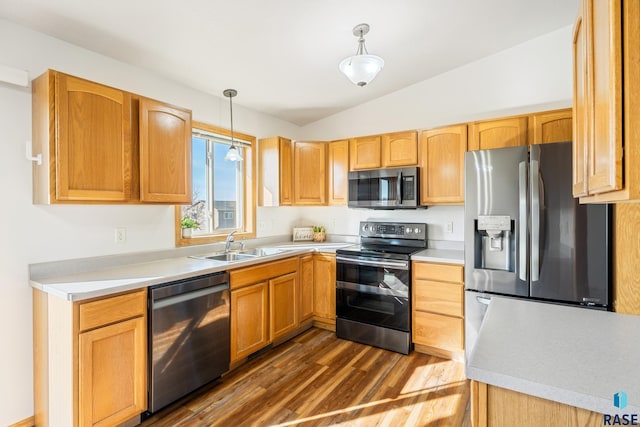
{"type": "Point", "coordinates": [483, 300]}
{"type": "Point", "coordinates": [535, 220]}
{"type": "Point", "coordinates": [522, 226]}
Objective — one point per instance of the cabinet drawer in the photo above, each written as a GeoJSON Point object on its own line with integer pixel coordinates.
{"type": "Point", "coordinates": [438, 297]}
{"type": "Point", "coordinates": [112, 309]}
{"type": "Point", "coordinates": [439, 272]}
{"type": "Point", "coordinates": [436, 330]}
{"type": "Point", "coordinates": [259, 273]}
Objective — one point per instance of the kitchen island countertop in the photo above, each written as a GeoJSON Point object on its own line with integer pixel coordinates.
{"type": "Point", "coordinates": [576, 356]}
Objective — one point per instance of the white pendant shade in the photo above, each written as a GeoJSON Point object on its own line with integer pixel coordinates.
{"type": "Point", "coordinates": [361, 69]}
{"type": "Point", "coordinates": [233, 155]}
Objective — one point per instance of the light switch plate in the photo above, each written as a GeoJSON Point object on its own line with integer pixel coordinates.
{"type": "Point", "coordinates": [302, 234]}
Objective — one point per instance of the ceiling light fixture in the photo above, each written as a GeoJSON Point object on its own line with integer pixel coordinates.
{"type": "Point", "coordinates": [362, 67]}
{"type": "Point", "coordinates": [233, 155]}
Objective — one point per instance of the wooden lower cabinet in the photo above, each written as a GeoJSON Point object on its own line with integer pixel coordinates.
{"type": "Point", "coordinates": [283, 306]}
{"type": "Point", "coordinates": [324, 290]}
{"type": "Point", "coordinates": [112, 381]}
{"type": "Point", "coordinates": [305, 270]}
{"type": "Point", "coordinates": [493, 406]}
{"type": "Point", "coordinates": [249, 320]}
{"type": "Point", "coordinates": [90, 359]}
{"type": "Point", "coordinates": [438, 309]}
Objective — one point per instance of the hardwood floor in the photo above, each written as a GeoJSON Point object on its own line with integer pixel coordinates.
{"type": "Point", "coordinates": [317, 379]}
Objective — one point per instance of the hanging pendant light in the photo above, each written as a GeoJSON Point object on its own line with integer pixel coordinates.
{"type": "Point", "coordinates": [362, 67]}
{"type": "Point", "coordinates": [233, 155]}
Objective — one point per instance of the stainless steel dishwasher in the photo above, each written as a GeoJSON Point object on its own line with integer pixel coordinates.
{"type": "Point", "coordinates": [188, 336]}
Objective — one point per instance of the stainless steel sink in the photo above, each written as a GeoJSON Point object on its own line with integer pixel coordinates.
{"type": "Point", "coordinates": [240, 256]}
{"type": "Point", "coordinates": [262, 251]}
{"type": "Point", "coordinates": [228, 257]}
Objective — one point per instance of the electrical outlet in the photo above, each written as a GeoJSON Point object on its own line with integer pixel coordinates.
{"type": "Point", "coordinates": [121, 235]}
{"type": "Point", "coordinates": [449, 227]}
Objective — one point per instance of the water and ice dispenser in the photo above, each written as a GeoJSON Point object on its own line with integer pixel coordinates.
{"type": "Point", "coordinates": [494, 242]}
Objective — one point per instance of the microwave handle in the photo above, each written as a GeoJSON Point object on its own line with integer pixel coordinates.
{"type": "Point", "coordinates": [399, 188]}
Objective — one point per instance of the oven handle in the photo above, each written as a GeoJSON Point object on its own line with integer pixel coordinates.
{"type": "Point", "coordinates": [399, 265]}
{"type": "Point", "coordinates": [372, 290]}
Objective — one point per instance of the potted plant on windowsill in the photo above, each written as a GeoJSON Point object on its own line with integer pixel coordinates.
{"type": "Point", "coordinates": [188, 224]}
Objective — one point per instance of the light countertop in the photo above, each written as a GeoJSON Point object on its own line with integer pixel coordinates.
{"type": "Point", "coordinates": [105, 279]}
{"type": "Point", "coordinates": [448, 256]}
{"type": "Point", "coordinates": [571, 355]}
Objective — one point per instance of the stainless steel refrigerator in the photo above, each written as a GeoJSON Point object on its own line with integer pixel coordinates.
{"type": "Point", "coordinates": [527, 237]}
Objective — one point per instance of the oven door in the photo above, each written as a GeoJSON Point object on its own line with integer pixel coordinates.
{"type": "Point", "coordinates": [373, 291]}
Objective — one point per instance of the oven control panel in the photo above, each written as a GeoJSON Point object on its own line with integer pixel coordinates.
{"type": "Point", "coordinates": [397, 230]}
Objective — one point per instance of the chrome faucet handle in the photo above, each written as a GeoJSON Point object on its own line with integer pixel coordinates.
{"type": "Point", "coordinates": [242, 246]}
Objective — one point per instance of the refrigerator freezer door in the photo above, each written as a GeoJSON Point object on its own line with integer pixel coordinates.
{"type": "Point", "coordinates": [569, 241]}
{"type": "Point", "coordinates": [496, 186]}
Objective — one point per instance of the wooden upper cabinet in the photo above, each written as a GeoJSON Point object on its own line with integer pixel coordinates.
{"type": "Point", "coordinates": [500, 133]}
{"type": "Point", "coordinates": [551, 126]}
{"type": "Point", "coordinates": [86, 144]}
{"type": "Point", "coordinates": [310, 173]}
{"type": "Point", "coordinates": [581, 131]}
{"type": "Point", "coordinates": [104, 145]}
{"type": "Point", "coordinates": [338, 183]}
{"type": "Point", "coordinates": [364, 153]}
{"type": "Point", "coordinates": [400, 149]}
{"type": "Point", "coordinates": [599, 94]}
{"type": "Point", "coordinates": [165, 153]}
{"type": "Point", "coordinates": [442, 165]}
{"type": "Point", "coordinates": [275, 164]}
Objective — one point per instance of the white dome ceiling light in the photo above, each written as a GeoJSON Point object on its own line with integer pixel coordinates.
{"type": "Point", "coordinates": [362, 67]}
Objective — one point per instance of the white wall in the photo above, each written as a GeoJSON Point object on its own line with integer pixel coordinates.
{"type": "Point", "coordinates": [537, 72]}
{"type": "Point", "coordinates": [36, 233]}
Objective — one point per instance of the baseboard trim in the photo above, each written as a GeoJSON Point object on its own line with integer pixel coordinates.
{"type": "Point", "coordinates": [27, 422]}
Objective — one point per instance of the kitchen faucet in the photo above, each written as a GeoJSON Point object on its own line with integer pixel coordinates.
{"type": "Point", "coordinates": [227, 244]}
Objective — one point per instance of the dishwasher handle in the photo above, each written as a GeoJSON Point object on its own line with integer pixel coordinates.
{"type": "Point", "coordinates": [184, 286]}
{"type": "Point", "coordinates": [180, 298]}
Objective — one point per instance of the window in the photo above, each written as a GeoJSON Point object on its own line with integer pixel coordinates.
{"type": "Point", "coordinates": [223, 191]}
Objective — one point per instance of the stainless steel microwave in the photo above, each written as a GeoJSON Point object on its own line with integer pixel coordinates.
{"type": "Point", "coordinates": [397, 188]}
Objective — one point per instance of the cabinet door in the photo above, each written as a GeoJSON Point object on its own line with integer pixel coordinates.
{"type": "Point", "coordinates": [92, 141]}
{"type": "Point", "coordinates": [442, 151]}
{"type": "Point", "coordinates": [324, 286]}
{"type": "Point", "coordinates": [364, 153]}
{"type": "Point", "coordinates": [338, 173]}
{"type": "Point", "coordinates": [275, 165]}
{"type": "Point", "coordinates": [285, 183]}
{"type": "Point", "coordinates": [112, 373]}
{"type": "Point", "coordinates": [400, 149]}
{"type": "Point", "coordinates": [310, 164]}
{"type": "Point", "coordinates": [283, 297]}
{"type": "Point", "coordinates": [306, 288]}
{"type": "Point", "coordinates": [165, 153]}
{"type": "Point", "coordinates": [581, 110]}
{"type": "Point", "coordinates": [605, 55]}
{"type": "Point", "coordinates": [508, 132]}
{"type": "Point", "coordinates": [550, 127]}
{"type": "Point", "coordinates": [249, 320]}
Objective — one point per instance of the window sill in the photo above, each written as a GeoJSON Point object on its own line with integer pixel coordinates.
{"type": "Point", "coordinates": [208, 239]}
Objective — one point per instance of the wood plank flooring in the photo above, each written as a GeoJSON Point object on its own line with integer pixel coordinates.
{"type": "Point", "coordinates": [317, 379]}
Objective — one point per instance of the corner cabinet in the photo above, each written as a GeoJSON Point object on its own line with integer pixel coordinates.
{"type": "Point", "coordinates": [104, 145]}
{"type": "Point", "coordinates": [438, 309]}
{"type": "Point", "coordinates": [275, 164]}
{"type": "Point", "coordinates": [498, 133]}
{"type": "Point", "coordinates": [442, 165]}
{"type": "Point", "coordinates": [606, 68]}
{"type": "Point", "coordinates": [309, 173]}
{"type": "Point", "coordinates": [90, 359]}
